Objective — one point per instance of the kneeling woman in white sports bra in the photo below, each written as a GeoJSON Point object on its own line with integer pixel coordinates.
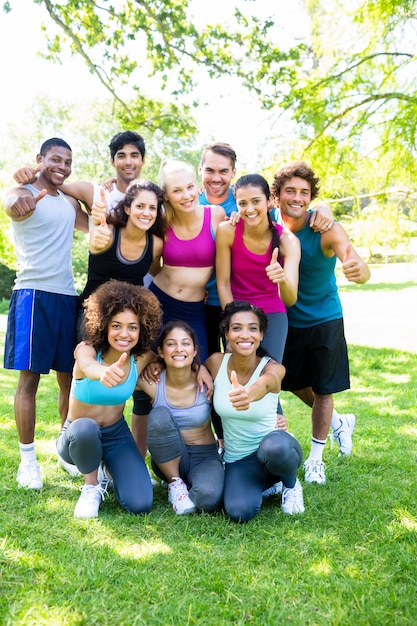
{"type": "Point", "coordinates": [246, 387]}
{"type": "Point", "coordinates": [121, 324]}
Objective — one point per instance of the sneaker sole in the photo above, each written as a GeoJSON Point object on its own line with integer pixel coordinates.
{"type": "Point", "coordinates": [185, 511]}
{"type": "Point", "coordinates": [33, 487]}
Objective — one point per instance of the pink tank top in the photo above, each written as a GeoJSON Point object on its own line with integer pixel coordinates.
{"type": "Point", "coordinates": [197, 252]}
{"type": "Point", "coordinates": [248, 279]}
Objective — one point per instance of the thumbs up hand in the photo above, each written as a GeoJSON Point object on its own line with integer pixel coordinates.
{"type": "Point", "coordinates": [113, 374]}
{"type": "Point", "coordinates": [99, 208]}
{"type": "Point", "coordinates": [27, 175]}
{"type": "Point", "coordinates": [354, 268]}
{"type": "Point", "coordinates": [274, 270]}
{"type": "Point", "coordinates": [100, 235]}
{"type": "Point", "coordinates": [238, 395]}
{"type": "Point", "coordinates": [19, 206]}
{"type": "Point", "coordinates": [351, 264]}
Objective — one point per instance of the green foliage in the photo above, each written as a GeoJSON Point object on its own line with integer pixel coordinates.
{"type": "Point", "coordinates": [80, 259]}
{"type": "Point", "coordinates": [128, 41]}
{"type": "Point", "coordinates": [355, 87]}
{"type": "Point", "coordinates": [7, 277]}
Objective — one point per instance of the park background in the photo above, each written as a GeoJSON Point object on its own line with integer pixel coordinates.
{"type": "Point", "coordinates": [335, 84]}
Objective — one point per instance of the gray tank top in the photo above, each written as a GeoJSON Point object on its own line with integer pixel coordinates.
{"type": "Point", "coordinates": [193, 416]}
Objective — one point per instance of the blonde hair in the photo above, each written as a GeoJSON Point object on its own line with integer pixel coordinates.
{"type": "Point", "coordinates": [172, 166]}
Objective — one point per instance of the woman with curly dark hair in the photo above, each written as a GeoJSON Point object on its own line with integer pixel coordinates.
{"type": "Point", "coordinates": [121, 324]}
{"type": "Point", "coordinates": [126, 245]}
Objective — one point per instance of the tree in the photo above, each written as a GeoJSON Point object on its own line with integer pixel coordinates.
{"type": "Point", "coordinates": [353, 92]}
{"type": "Point", "coordinates": [122, 43]}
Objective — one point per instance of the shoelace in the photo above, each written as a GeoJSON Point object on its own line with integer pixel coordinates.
{"type": "Point", "coordinates": [32, 469]}
{"type": "Point", "coordinates": [97, 489]}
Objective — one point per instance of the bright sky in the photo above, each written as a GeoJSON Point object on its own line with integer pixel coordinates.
{"type": "Point", "coordinates": [229, 116]}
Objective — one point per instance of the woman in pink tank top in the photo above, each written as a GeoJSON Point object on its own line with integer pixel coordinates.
{"type": "Point", "coordinates": [257, 261]}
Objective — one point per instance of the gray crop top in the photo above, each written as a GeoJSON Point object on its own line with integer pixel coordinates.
{"type": "Point", "coordinates": [188, 417]}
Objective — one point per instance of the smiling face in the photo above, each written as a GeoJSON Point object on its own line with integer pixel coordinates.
{"type": "Point", "coordinates": [128, 163]}
{"type": "Point", "coordinates": [178, 349]}
{"type": "Point", "coordinates": [181, 190]}
{"type": "Point", "coordinates": [143, 209]}
{"type": "Point", "coordinates": [123, 331]}
{"type": "Point", "coordinates": [294, 197]}
{"type": "Point", "coordinates": [253, 204]}
{"type": "Point", "coordinates": [56, 165]}
{"type": "Point", "coordinates": [216, 173]}
{"type": "Point", "coordinates": [244, 335]}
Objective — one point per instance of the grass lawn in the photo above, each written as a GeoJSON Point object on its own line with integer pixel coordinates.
{"type": "Point", "coordinates": [350, 559]}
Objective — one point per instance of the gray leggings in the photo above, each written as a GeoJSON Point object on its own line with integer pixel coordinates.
{"type": "Point", "coordinates": [200, 466]}
{"type": "Point", "coordinates": [85, 444]}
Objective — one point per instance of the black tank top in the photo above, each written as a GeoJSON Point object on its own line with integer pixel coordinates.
{"type": "Point", "coordinates": [103, 266]}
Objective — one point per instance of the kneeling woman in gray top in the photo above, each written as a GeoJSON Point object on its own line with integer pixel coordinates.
{"type": "Point", "coordinates": [180, 438]}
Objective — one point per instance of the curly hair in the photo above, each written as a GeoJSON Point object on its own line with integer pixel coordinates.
{"type": "Point", "coordinates": [119, 217]}
{"type": "Point", "coordinates": [124, 138]}
{"type": "Point", "coordinates": [239, 306]}
{"type": "Point", "coordinates": [114, 297]}
{"type": "Point", "coordinates": [299, 169]}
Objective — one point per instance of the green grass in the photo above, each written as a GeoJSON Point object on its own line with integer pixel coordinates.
{"type": "Point", "coordinates": [349, 560]}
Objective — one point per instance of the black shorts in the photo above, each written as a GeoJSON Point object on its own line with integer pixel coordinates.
{"type": "Point", "coordinates": [317, 357]}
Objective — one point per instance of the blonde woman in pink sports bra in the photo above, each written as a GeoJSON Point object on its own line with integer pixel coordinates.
{"type": "Point", "coordinates": [189, 249]}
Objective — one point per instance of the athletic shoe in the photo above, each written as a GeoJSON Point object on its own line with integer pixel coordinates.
{"type": "Point", "coordinates": [314, 472]}
{"type": "Point", "coordinates": [89, 501]}
{"type": "Point", "coordinates": [179, 498]}
{"type": "Point", "coordinates": [29, 475]}
{"type": "Point", "coordinates": [343, 434]}
{"type": "Point", "coordinates": [273, 491]}
{"type": "Point", "coordinates": [154, 482]}
{"type": "Point", "coordinates": [105, 481]}
{"type": "Point", "coordinates": [68, 467]}
{"type": "Point", "coordinates": [292, 499]}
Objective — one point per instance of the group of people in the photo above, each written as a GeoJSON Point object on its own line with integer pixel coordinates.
{"type": "Point", "coordinates": [240, 296]}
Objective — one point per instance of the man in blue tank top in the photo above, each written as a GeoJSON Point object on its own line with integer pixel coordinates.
{"type": "Point", "coordinates": [43, 308]}
{"type": "Point", "coordinates": [217, 169]}
{"type": "Point", "coordinates": [315, 356]}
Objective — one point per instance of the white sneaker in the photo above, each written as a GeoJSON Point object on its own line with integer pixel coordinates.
{"type": "Point", "coordinates": [273, 491]}
{"type": "Point", "coordinates": [89, 501]}
{"type": "Point", "coordinates": [314, 472]}
{"type": "Point", "coordinates": [68, 467]}
{"type": "Point", "coordinates": [29, 475]}
{"type": "Point", "coordinates": [105, 481]}
{"type": "Point", "coordinates": [179, 498]}
{"type": "Point", "coordinates": [343, 434]}
{"type": "Point", "coordinates": [154, 482]}
{"type": "Point", "coordinates": [292, 499]}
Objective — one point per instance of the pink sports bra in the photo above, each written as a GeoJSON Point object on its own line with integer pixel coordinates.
{"type": "Point", "coordinates": [197, 252]}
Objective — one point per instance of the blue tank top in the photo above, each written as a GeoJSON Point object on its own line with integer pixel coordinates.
{"type": "Point", "coordinates": [93, 392]}
{"type": "Point", "coordinates": [243, 430]}
{"type": "Point", "coordinates": [318, 299]}
{"type": "Point", "coordinates": [193, 416]}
